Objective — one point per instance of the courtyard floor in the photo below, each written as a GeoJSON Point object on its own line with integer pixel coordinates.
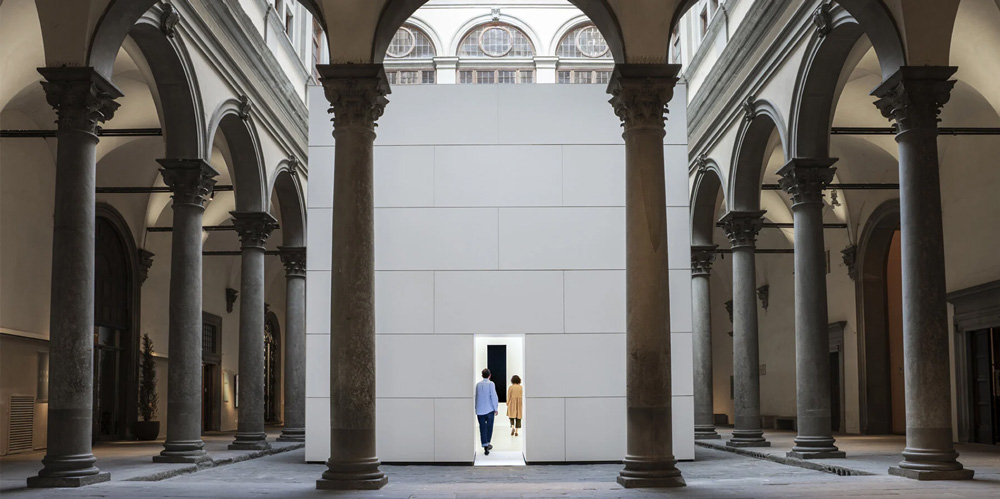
{"type": "Point", "coordinates": [714, 473]}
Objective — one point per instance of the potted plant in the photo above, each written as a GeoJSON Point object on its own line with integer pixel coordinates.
{"type": "Point", "coordinates": [147, 428]}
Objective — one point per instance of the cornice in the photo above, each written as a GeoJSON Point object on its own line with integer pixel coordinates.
{"type": "Point", "coordinates": [713, 102]}
{"type": "Point", "coordinates": [256, 73]}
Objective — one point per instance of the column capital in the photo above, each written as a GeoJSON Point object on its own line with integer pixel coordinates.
{"type": "Point", "coordinates": [742, 227]}
{"type": "Point", "coordinates": [702, 256]}
{"type": "Point", "coordinates": [81, 97]}
{"type": "Point", "coordinates": [294, 259]}
{"type": "Point", "coordinates": [254, 227]}
{"type": "Point", "coordinates": [190, 180]}
{"type": "Point", "coordinates": [356, 93]}
{"type": "Point", "coordinates": [145, 262]}
{"type": "Point", "coordinates": [913, 96]}
{"type": "Point", "coordinates": [640, 93]}
{"type": "Point", "coordinates": [805, 178]}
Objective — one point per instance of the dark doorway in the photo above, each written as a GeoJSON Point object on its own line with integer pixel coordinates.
{"type": "Point", "coordinates": [115, 346]}
{"type": "Point", "coordinates": [272, 368]}
{"type": "Point", "coordinates": [211, 379]}
{"type": "Point", "coordinates": [496, 361]}
{"type": "Point", "coordinates": [984, 353]}
{"type": "Point", "coordinates": [835, 391]}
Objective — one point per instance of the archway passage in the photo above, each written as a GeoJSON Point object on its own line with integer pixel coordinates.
{"type": "Point", "coordinates": [115, 334]}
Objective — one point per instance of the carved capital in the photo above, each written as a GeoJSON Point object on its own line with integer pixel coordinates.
{"type": "Point", "coordinates": [231, 295]}
{"type": "Point", "coordinates": [169, 20]}
{"type": "Point", "coordinates": [822, 20]}
{"type": "Point", "coordinates": [145, 263]}
{"type": "Point", "coordinates": [702, 257]}
{"type": "Point", "coordinates": [294, 259]}
{"type": "Point", "coordinates": [191, 180]}
{"type": "Point", "coordinates": [742, 227]}
{"type": "Point", "coordinates": [356, 93]}
{"type": "Point", "coordinates": [254, 227]}
{"type": "Point", "coordinates": [749, 108]}
{"type": "Point", "coordinates": [805, 178]}
{"type": "Point", "coordinates": [701, 163]}
{"type": "Point", "coordinates": [81, 97]}
{"type": "Point", "coordinates": [913, 96]}
{"type": "Point", "coordinates": [762, 294]}
{"type": "Point", "coordinates": [850, 255]}
{"type": "Point", "coordinates": [245, 107]}
{"type": "Point", "coordinates": [640, 93]}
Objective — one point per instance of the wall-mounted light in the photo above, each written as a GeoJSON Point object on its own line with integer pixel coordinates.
{"type": "Point", "coordinates": [236, 392]}
{"type": "Point", "coordinates": [43, 377]}
{"type": "Point", "coordinates": [225, 388]}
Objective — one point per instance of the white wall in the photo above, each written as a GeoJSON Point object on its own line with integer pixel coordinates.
{"type": "Point", "coordinates": [499, 210]}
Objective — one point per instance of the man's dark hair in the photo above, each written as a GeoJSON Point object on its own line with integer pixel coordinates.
{"type": "Point", "coordinates": [486, 373]}
{"type": "Point", "coordinates": [515, 379]}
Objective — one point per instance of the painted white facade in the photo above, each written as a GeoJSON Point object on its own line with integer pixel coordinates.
{"type": "Point", "coordinates": [499, 211]}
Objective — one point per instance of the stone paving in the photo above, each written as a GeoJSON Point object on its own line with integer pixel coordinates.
{"type": "Point", "coordinates": [714, 474]}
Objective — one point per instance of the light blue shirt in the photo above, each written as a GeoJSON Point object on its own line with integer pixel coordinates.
{"type": "Point", "coordinates": [486, 397]}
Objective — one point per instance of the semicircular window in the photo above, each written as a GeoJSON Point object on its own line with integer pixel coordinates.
{"type": "Point", "coordinates": [410, 42]}
{"type": "Point", "coordinates": [495, 41]}
{"type": "Point", "coordinates": [584, 42]}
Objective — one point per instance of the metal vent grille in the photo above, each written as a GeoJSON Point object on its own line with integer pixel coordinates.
{"type": "Point", "coordinates": [20, 434]}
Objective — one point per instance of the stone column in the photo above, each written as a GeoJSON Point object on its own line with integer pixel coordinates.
{"type": "Point", "coordinates": [640, 93]}
{"type": "Point", "coordinates": [191, 181]}
{"type": "Point", "coordinates": [294, 259]}
{"type": "Point", "coordinates": [913, 97]}
{"type": "Point", "coordinates": [804, 180]}
{"type": "Point", "coordinates": [702, 257]}
{"type": "Point", "coordinates": [254, 227]}
{"type": "Point", "coordinates": [82, 98]}
{"type": "Point", "coordinates": [741, 228]}
{"type": "Point", "coordinates": [357, 98]}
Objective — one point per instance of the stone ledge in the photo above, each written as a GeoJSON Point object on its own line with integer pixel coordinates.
{"type": "Point", "coordinates": [790, 461]}
{"type": "Point", "coordinates": [931, 475]}
{"type": "Point", "coordinates": [76, 481]}
{"type": "Point", "coordinates": [214, 463]}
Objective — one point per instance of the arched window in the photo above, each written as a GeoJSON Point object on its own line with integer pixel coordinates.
{"type": "Point", "coordinates": [584, 56]}
{"type": "Point", "coordinates": [496, 53]}
{"type": "Point", "coordinates": [409, 58]}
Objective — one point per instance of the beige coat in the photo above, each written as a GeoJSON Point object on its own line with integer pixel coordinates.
{"type": "Point", "coordinates": [515, 402]}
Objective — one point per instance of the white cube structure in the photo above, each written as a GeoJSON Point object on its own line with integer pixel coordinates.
{"type": "Point", "coordinates": [499, 210]}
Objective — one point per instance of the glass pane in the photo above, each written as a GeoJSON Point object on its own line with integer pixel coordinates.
{"type": "Point", "coordinates": [564, 76]}
{"type": "Point", "coordinates": [107, 336]}
{"type": "Point", "coordinates": [408, 77]}
{"type": "Point", "coordinates": [402, 43]}
{"type": "Point", "coordinates": [428, 77]}
{"type": "Point", "coordinates": [422, 47]}
{"type": "Point", "coordinates": [465, 77]}
{"type": "Point", "coordinates": [506, 76]}
{"type": "Point", "coordinates": [496, 41]}
{"type": "Point", "coordinates": [603, 77]}
{"type": "Point", "coordinates": [527, 76]}
{"type": "Point", "coordinates": [484, 76]}
{"type": "Point", "coordinates": [591, 43]}
{"type": "Point", "coordinates": [581, 77]}
{"type": "Point", "coordinates": [392, 77]}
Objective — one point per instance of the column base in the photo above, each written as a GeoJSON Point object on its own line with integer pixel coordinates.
{"type": "Point", "coordinates": [962, 474]}
{"type": "Point", "coordinates": [822, 454]}
{"type": "Point", "coordinates": [250, 441]}
{"type": "Point", "coordinates": [37, 482]}
{"type": "Point", "coordinates": [706, 435]}
{"type": "Point", "coordinates": [649, 473]}
{"type": "Point", "coordinates": [650, 483]}
{"type": "Point", "coordinates": [182, 451]}
{"type": "Point", "coordinates": [350, 484]}
{"type": "Point", "coordinates": [292, 435]}
{"type": "Point", "coordinates": [747, 443]}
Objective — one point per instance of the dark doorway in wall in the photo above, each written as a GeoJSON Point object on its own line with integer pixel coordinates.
{"type": "Point", "coordinates": [272, 368]}
{"type": "Point", "coordinates": [211, 378]}
{"type": "Point", "coordinates": [115, 327]}
{"type": "Point", "coordinates": [984, 364]}
{"type": "Point", "coordinates": [496, 361]}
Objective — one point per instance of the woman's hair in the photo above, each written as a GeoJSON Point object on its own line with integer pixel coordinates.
{"type": "Point", "coordinates": [515, 379]}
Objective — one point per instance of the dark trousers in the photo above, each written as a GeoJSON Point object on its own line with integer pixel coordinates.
{"type": "Point", "coordinates": [485, 427]}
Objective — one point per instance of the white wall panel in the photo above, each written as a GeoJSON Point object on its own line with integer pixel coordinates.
{"type": "Point", "coordinates": [683, 426]}
{"type": "Point", "coordinates": [595, 429]}
{"type": "Point", "coordinates": [320, 127]}
{"type": "Point", "coordinates": [681, 364]}
{"type": "Point", "coordinates": [411, 365]}
{"type": "Point", "coordinates": [498, 176]}
{"type": "Point", "coordinates": [320, 187]}
{"type": "Point", "coordinates": [562, 238]}
{"type": "Point", "coordinates": [317, 427]}
{"type": "Point", "coordinates": [404, 176]}
{"type": "Point", "coordinates": [439, 114]}
{"type": "Point", "coordinates": [678, 237]}
{"type": "Point", "coordinates": [675, 161]}
{"type": "Point", "coordinates": [443, 239]}
{"type": "Point", "coordinates": [498, 302]}
{"type": "Point", "coordinates": [404, 302]}
{"type": "Point", "coordinates": [552, 359]}
{"type": "Point", "coordinates": [318, 360]}
{"type": "Point", "coordinates": [595, 301]}
{"type": "Point", "coordinates": [594, 175]}
{"type": "Point", "coordinates": [454, 425]}
{"type": "Point", "coordinates": [527, 115]}
{"type": "Point", "coordinates": [319, 240]}
{"type": "Point", "coordinates": [402, 432]}
{"type": "Point", "coordinates": [544, 429]}
{"type": "Point", "coordinates": [318, 302]}
{"type": "Point", "coordinates": [680, 300]}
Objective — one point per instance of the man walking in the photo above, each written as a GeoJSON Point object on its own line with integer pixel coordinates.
{"type": "Point", "coordinates": [487, 405]}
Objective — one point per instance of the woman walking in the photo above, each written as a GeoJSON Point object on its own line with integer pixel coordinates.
{"type": "Point", "coordinates": [515, 404]}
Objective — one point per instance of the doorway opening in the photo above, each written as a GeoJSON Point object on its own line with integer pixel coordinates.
{"type": "Point", "coordinates": [984, 375]}
{"type": "Point", "coordinates": [503, 355]}
{"type": "Point", "coordinates": [211, 360]}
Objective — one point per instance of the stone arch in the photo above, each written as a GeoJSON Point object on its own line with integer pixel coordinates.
{"type": "Point", "coordinates": [761, 120]}
{"type": "Point", "coordinates": [877, 22]}
{"type": "Point", "coordinates": [566, 27]}
{"type": "Point", "coordinates": [287, 188]}
{"type": "Point", "coordinates": [176, 86]}
{"type": "Point", "coordinates": [874, 387]}
{"type": "Point", "coordinates": [475, 22]}
{"type": "Point", "coordinates": [431, 33]}
{"type": "Point", "coordinates": [111, 30]}
{"type": "Point", "coordinates": [816, 85]}
{"type": "Point", "coordinates": [398, 11]}
{"type": "Point", "coordinates": [233, 119]}
{"type": "Point", "coordinates": [704, 203]}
